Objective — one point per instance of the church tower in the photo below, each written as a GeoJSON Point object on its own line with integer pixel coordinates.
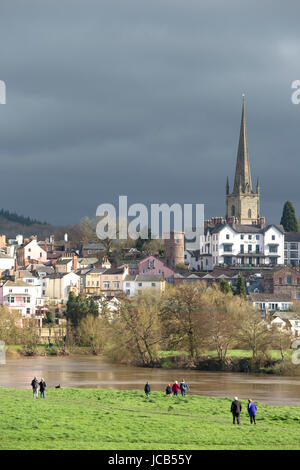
{"type": "Point", "coordinates": [243, 203]}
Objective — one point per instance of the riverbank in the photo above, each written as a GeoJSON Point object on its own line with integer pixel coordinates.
{"type": "Point", "coordinates": [120, 420]}
{"type": "Point", "coordinates": [237, 360]}
{"type": "Point", "coordinates": [44, 350]}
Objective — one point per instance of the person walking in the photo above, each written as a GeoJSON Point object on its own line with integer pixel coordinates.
{"type": "Point", "coordinates": [175, 388]}
{"type": "Point", "coordinates": [35, 385]}
{"type": "Point", "coordinates": [42, 385]}
{"type": "Point", "coordinates": [236, 408]}
{"type": "Point", "coordinates": [252, 409]}
{"type": "Point", "coordinates": [168, 390]}
{"type": "Point", "coordinates": [183, 387]}
{"type": "Point", "coordinates": [147, 389]}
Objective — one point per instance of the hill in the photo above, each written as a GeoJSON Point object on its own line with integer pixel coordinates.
{"type": "Point", "coordinates": [11, 224]}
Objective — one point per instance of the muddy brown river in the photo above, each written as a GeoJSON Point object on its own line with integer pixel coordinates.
{"type": "Point", "coordinates": [94, 372]}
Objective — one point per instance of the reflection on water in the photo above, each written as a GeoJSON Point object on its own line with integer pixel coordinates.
{"type": "Point", "coordinates": [94, 372]}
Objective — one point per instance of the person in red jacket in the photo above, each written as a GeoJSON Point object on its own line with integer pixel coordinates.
{"type": "Point", "coordinates": [175, 388]}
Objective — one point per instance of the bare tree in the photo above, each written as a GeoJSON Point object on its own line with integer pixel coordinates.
{"type": "Point", "coordinates": [183, 317]}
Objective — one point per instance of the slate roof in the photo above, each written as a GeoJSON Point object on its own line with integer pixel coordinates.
{"type": "Point", "coordinates": [292, 237]}
{"type": "Point", "coordinates": [264, 297]}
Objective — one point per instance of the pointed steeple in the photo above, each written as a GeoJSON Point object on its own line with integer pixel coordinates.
{"type": "Point", "coordinates": [242, 180]}
{"type": "Point", "coordinates": [227, 186]}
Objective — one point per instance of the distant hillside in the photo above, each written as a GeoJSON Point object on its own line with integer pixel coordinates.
{"type": "Point", "coordinates": [11, 224]}
{"type": "Point", "coordinates": [20, 219]}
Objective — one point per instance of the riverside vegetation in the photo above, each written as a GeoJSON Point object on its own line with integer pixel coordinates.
{"type": "Point", "coordinates": [206, 323]}
{"type": "Point", "coordinates": [120, 420]}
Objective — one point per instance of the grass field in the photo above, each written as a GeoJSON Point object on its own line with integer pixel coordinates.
{"type": "Point", "coordinates": [233, 353]}
{"type": "Point", "coordinates": [118, 420]}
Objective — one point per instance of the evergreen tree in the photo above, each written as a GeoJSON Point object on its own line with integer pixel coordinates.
{"type": "Point", "coordinates": [71, 311]}
{"type": "Point", "coordinates": [139, 244]}
{"type": "Point", "coordinates": [225, 287]}
{"type": "Point", "coordinates": [93, 308]}
{"type": "Point", "coordinates": [288, 219]}
{"type": "Point", "coordinates": [83, 308]}
{"type": "Point", "coordinates": [241, 287]}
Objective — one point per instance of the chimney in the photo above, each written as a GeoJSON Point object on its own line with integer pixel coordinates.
{"type": "Point", "coordinates": [75, 261]}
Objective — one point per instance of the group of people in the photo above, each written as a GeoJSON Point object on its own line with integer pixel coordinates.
{"type": "Point", "coordinates": [175, 389]}
{"type": "Point", "coordinates": [36, 385]}
{"type": "Point", "coordinates": [236, 408]}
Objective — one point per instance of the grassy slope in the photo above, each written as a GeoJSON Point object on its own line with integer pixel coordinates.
{"type": "Point", "coordinates": [112, 419]}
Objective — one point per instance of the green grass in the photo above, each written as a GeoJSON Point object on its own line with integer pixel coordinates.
{"type": "Point", "coordinates": [117, 420]}
{"type": "Point", "coordinates": [233, 353]}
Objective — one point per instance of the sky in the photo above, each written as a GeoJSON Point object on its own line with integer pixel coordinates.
{"type": "Point", "coordinates": [143, 98]}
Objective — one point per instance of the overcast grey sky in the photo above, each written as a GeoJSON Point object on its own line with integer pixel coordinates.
{"type": "Point", "coordinates": [143, 98]}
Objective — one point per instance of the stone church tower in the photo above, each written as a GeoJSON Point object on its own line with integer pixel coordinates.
{"type": "Point", "coordinates": [243, 203]}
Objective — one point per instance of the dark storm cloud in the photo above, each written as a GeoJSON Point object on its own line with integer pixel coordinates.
{"type": "Point", "coordinates": [144, 99]}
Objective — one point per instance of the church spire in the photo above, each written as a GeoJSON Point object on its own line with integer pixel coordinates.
{"type": "Point", "coordinates": [242, 180]}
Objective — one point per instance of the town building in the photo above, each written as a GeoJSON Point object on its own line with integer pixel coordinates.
{"type": "Point", "coordinates": [143, 283]}
{"type": "Point", "coordinates": [292, 248]}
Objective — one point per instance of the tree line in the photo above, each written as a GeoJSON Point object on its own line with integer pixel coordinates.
{"type": "Point", "coordinates": [191, 317]}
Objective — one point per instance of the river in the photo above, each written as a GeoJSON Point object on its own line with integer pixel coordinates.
{"type": "Point", "coordinates": [94, 372]}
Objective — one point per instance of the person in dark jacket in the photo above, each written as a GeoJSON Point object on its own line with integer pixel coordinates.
{"type": "Point", "coordinates": [168, 390]}
{"type": "Point", "coordinates": [183, 387]}
{"type": "Point", "coordinates": [34, 384]}
{"type": "Point", "coordinates": [252, 408]}
{"type": "Point", "coordinates": [147, 389]}
{"type": "Point", "coordinates": [175, 388]}
{"type": "Point", "coordinates": [42, 385]}
{"type": "Point", "coordinates": [236, 408]}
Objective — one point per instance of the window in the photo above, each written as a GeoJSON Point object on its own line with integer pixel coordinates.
{"type": "Point", "coordinates": [242, 248]}
{"type": "Point", "coordinates": [249, 237]}
{"type": "Point", "coordinates": [28, 300]}
{"type": "Point", "coordinates": [249, 248]}
{"type": "Point", "coordinates": [227, 248]}
{"type": "Point", "coordinates": [227, 236]}
{"type": "Point", "coordinates": [289, 279]}
{"type": "Point", "coordinates": [273, 237]}
{"type": "Point", "coordinates": [257, 237]}
{"type": "Point", "coordinates": [140, 284]}
{"type": "Point", "coordinates": [151, 264]}
{"type": "Point", "coordinates": [249, 214]}
{"type": "Point", "coordinates": [159, 271]}
{"type": "Point", "coordinates": [12, 300]}
{"type": "Point", "coordinates": [273, 249]}
{"type": "Point", "coordinates": [280, 280]}
{"type": "Point", "coordinates": [153, 284]}
{"type": "Point", "coordinates": [106, 285]}
{"type": "Point", "coordinates": [257, 248]}
{"type": "Point", "coordinates": [242, 237]}
{"type": "Point", "coordinates": [232, 210]}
